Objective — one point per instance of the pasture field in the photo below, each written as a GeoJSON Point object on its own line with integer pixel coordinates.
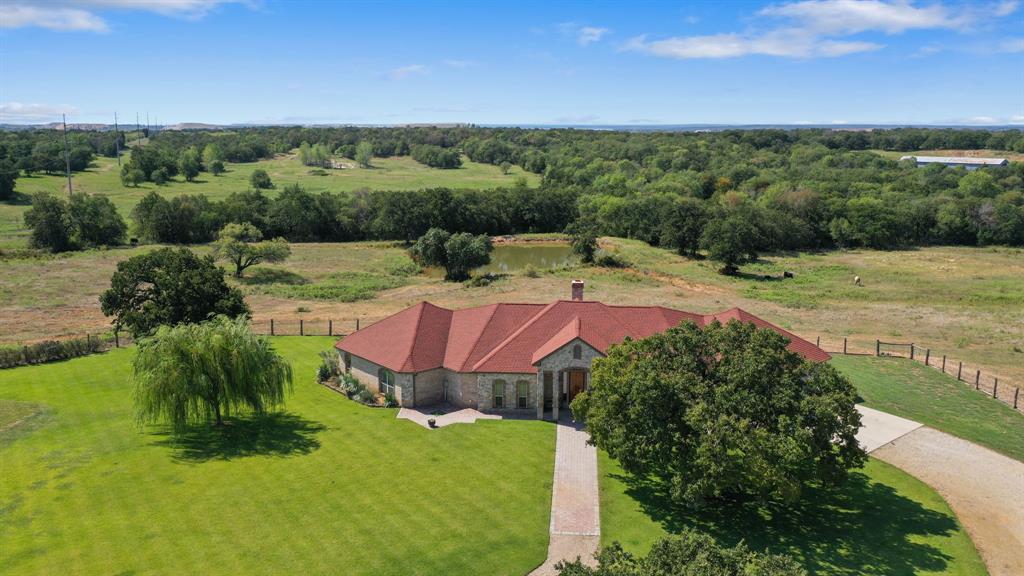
{"type": "Point", "coordinates": [908, 389]}
{"type": "Point", "coordinates": [325, 485]}
{"type": "Point", "coordinates": [397, 173]}
{"type": "Point", "coordinates": [964, 302]}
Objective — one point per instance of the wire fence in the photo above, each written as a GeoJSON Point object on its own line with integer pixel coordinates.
{"type": "Point", "coordinates": [973, 375]}
{"type": "Point", "coordinates": [308, 326]}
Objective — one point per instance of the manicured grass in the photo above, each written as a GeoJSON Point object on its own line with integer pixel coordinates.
{"type": "Point", "coordinates": [398, 173]}
{"type": "Point", "coordinates": [326, 487]}
{"type": "Point", "coordinates": [882, 522]}
{"type": "Point", "coordinates": [906, 388]}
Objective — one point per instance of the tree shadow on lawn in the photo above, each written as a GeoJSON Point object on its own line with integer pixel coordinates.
{"type": "Point", "coordinates": [276, 434]}
{"type": "Point", "coordinates": [258, 276]}
{"type": "Point", "coordinates": [862, 527]}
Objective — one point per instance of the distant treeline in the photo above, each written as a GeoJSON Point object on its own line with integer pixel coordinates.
{"type": "Point", "coordinates": [786, 189]}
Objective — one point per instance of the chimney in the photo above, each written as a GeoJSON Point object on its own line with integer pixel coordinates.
{"type": "Point", "coordinates": [577, 290]}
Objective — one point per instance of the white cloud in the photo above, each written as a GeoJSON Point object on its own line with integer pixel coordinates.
{"type": "Point", "coordinates": [823, 28]}
{"type": "Point", "coordinates": [584, 35]}
{"type": "Point", "coordinates": [791, 43]}
{"type": "Point", "coordinates": [590, 34]}
{"type": "Point", "coordinates": [451, 63]}
{"type": "Point", "coordinates": [31, 113]}
{"type": "Point", "coordinates": [83, 15]}
{"type": "Point", "coordinates": [23, 16]}
{"type": "Point", "coordinates": [853, 16]}
{"type": "Point", "coordinates": [1017, 119]}
{"type": "Point", "coordinates": [1006, 8]}
{"type": "Point", "coordinates": [1011, 46]}
{"type": "Point", "coordinates": [407, 71]}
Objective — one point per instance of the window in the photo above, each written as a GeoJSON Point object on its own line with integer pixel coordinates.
{"type": "Point", "coordinates": [577, 352]}
{"type": "Point", "coordinates": [524, 390]}
{"type": "Point", "coordinates": [386, 381]}
{"type": "Point", "coordinates": [499, 393]}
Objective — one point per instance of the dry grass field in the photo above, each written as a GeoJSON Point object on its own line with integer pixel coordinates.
{"type": "Point", "coordinates": [964, 302]}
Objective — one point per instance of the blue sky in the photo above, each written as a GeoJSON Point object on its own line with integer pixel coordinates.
{"type": "Point", "coordinates": [805, 61]}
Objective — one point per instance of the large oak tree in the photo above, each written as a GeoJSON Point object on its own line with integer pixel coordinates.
{"type": "Point", "coordinates": [722, 411]}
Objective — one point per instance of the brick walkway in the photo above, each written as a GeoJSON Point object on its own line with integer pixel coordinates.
{"type": "Point", "coordinates": [575, 515]}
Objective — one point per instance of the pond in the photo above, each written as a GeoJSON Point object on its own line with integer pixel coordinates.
{"type": "Point", "coordinates": [508, 258]}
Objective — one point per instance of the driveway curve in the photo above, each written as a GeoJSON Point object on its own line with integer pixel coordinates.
{"type": "Point", "coordinates": [984, 488]}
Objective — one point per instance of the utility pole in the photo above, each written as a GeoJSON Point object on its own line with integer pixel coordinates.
{"type": "Point", "coordinates": [138, 130]}
{"type": "Point", "coordinates": [67, 153]}
{"type": "Point", "coordinates": [117, 139]}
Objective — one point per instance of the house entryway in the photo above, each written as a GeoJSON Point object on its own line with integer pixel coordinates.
{"type": "Point", "coordinates": [577, 384]}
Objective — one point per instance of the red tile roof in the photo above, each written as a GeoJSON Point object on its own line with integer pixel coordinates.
{"type": "Point", "coordinates": [514, 337]}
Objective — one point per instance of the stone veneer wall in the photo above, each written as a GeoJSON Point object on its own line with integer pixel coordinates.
{"type": "Point", "coordinates": [366, 372]}
{"type": "Point", "coordinates": [485, 392]}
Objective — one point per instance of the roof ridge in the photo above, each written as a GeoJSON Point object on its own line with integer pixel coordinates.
{"type": "Point", "coordinates": [407, 362]}
{"type": "Point", "coordinates": [514, 334]}
{"type": "Point", "coordinates": [476, 340]}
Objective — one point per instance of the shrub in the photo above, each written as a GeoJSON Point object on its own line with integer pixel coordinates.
{"type": "Point", "coordinates": [323, 373]}
{"type": "Point", "coordinates": [689, 553]}
{"type": "Point", "coordinates": [530, 272]}
{"type": "Point", "coordinates": [328, 364]}
{"type": "Point", "coordinates": [366, 397]}
{"type": "Point", "coordinates": [606, 259]}
{"type": "Point", "coordinates": [390, 401]}
{"type": "Point", "coordinates": [49, 351]}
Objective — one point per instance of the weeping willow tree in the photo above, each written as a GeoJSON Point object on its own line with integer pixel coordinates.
{"type": "Point", "coordinates": [195, 373]}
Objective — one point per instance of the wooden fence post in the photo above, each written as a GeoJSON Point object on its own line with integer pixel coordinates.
{"type": "Point", "coordinates": [927, 356]}
{"type": "Point", "coordinates": [357, 324]}
{"type": "Point", "coordinates": [959, 369]}
{"type": "Point", "coordinates": [977, 379]}
{"type": "Point", "coordinates": [878, 347]}
{"type": "Point", "coordinates": [943, 363]}
{"type": "Point", "coordinates": [1015, 395]}
{"type": "Point", "coordinates": [818, 342]}
{"type": "Point", "coordinates": [844, 345]}
{"type": "Point", "coordinates": [301, 328]}
{"type": "Point", "coordinates": [330, 327]}
{"type": "Point", "coordinates": [117, 339]}
{"type": "Point", "coordinates": [995, 387]}
{"type": "Point", "coordinates": [271, 326]}
{"type": "Point", "coordinates": [911, 350]}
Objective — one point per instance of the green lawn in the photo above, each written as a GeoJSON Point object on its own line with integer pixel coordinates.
{"type": "Point", "coordinates": [326, 487]}
{"type": "Point", "coordinates": [882, 522]}
{"type": "Point", "coordinates": [397, 173]}
{"type": "Point", "coordinates": [911, 390]}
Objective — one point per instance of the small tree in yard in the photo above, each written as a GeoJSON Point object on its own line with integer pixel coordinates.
{"type": "Point", "coordinates": [260, 180]}
{"type": "Point", "coordinates": [166, 287]}
{"type": "Point", "coordinates": [456, 253]}
{"type": "Point", "coordinates": [216, 167]}
{"type": "Point", "coordinates": [584, 240]}
{"type": "Point", "coordinates": [242, 245]}
{"type": "Point", "coordinates": [689, 554]}
{"type": "Point", "coordinates": [722, 411]}
{"type": "Point", "coordinates": [194, 373]}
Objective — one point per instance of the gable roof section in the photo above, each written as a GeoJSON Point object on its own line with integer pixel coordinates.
{"type": "Point", "coordinates": [796, 343]}
{"type": "Point", "coordinates": [514, 337]}
{"type": "Point", "coordinates": [412, 340]}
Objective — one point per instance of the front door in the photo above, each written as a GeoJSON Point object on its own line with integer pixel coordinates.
{"type": "Point", "coordinates": [577, 382]}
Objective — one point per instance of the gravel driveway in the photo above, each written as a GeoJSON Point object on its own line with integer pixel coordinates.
{"type": "Point", "coordinates": [985, 490]}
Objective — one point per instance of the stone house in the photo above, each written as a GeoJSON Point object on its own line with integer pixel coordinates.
{"type": "Point", "coordinates": [530, 359]}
